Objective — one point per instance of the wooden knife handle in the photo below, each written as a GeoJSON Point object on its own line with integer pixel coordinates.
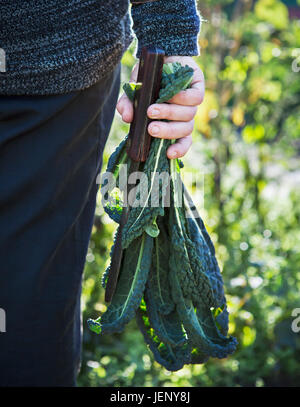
{"type": "Point", "coordinates": [150, 73]}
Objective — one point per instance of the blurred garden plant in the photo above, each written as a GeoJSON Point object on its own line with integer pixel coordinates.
{"type": "Point", "coordinates": [246, 143]}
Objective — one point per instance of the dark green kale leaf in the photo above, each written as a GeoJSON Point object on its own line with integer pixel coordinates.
{"type": "Point", "coordinates": [159, 291]}
{"type": "Point", "coordinates": [110, 182]}
{"type": "Point", "coordinates": [205, 251]}
{"type": "Point", "coordinates": [171, 357]}
{"type": "Point", "coordinates": [150, 195]}
{"type": "Point", "coordinates": [130, 88]}
{"type": "Point", "coordinates": [193, 280]}
{"type": "Point", "coordinates": [200, 327]}
{"type": "Point", "coordinates": [175, 82]}
{"type": "Point", "coordinates": [168, 328]}
{"type": "Point", "coordinates": [130, 288]}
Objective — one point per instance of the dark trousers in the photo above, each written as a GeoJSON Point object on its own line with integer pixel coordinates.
{"type": "Point", "coordinates": [50, 155]}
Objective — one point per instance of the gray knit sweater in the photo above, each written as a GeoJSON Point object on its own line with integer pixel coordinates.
{"type": "Point", "coordinates": [58, 46]}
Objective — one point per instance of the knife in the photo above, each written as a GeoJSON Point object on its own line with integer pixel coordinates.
{"type": "Point", "coordinates": [138, 143]}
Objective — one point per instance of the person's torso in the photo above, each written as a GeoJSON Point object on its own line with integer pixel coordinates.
{"type": "Point", "coordinates": [55, 46]}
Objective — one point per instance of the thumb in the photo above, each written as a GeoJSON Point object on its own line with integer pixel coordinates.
{"type": "Point", "coordinates": [124, 105]}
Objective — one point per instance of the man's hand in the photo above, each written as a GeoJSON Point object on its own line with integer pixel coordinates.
{"type": "Point", "coordinates": [180, 110]}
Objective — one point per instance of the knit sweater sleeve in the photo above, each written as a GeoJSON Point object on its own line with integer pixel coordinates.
{"type": "Point", "coordinates": [172, 25]}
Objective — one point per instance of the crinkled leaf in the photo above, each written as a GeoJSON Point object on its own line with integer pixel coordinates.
{"type": "Point", "coordinates": [154, 187]}
{"type": "Point", "coordinates": [158, 280]}
{"type": "Point", "coordinates": [167, 327]}
{"type": "Point", "coordinates": [206, 252]}
{"type": "Point", "coordinates": [130, 287]}
{"type": "Point", "coordinates": [199, 323]}
{"type": "Point", "coordinates": [171, 357]}
{"type": "Point", "coordinates": [193, 280]}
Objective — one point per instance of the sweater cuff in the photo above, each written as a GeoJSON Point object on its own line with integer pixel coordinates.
{"type": "Point", "coordinates": [172, 25]}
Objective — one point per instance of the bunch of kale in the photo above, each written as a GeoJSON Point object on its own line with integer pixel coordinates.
{"type": "Point", "coordinates": [169, 278]}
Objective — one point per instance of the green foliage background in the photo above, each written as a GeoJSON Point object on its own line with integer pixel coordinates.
{"type": "Point", "coordinates": [246, 152]}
